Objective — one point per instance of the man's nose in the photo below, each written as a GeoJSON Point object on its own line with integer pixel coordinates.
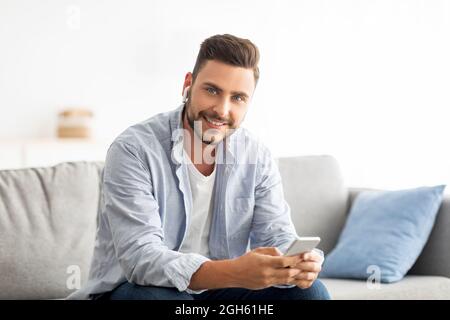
{"type": "Point", "coordinates": [223, 108]}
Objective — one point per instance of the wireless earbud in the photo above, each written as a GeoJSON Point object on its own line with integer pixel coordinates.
{"type": "Point", "coordinates": [185, 94]}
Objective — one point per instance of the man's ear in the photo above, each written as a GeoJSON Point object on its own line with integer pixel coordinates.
{"type": "Point", "coordinates": [186, 94]}
{"type": "Point", "coordinates": [187, 81]}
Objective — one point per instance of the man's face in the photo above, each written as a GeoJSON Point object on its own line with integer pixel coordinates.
{"type": "Point", "coordinates": [218, 100]}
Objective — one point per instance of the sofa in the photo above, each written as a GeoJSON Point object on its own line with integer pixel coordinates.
{"type": "Point", "coordinates": [48, 221]}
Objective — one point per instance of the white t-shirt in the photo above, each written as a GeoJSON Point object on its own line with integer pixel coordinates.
{"type": "Point", "coordinates": [197, 236]}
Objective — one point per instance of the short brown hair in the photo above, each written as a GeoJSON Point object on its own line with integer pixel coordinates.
{"type": "Point", "coordinates": [228, 49]}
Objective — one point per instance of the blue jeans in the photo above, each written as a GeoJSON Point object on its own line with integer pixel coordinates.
{"type": "Point", "coordinates": [130, 291]}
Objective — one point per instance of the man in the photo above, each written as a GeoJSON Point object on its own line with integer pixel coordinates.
{"type": "Point", "coordinates": [193, 206]}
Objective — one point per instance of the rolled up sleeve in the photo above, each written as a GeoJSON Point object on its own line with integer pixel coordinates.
{"type": "Point", "coordinates": [133, 216]}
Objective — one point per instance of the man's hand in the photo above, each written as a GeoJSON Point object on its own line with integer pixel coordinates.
{"type": "Point", "coordinates": [264, 267]}
{"type": "Point", "coordinates": [258, 269]}
{"type": "Point", "coordinates": [310, 265]}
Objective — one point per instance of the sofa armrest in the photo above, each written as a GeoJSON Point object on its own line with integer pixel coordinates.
{"type": "Point", "coordinates": [435, 258]}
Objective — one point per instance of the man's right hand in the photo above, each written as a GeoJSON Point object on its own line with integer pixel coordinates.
{"type": "Point", "coordinates": [264, 267]}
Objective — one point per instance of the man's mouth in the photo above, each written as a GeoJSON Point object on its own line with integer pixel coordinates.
{"type": "Point", "coordinates": [213, 122]}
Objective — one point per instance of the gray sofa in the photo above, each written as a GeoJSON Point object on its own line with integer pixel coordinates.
{"type": "Point", "coordinates": [48, 219]}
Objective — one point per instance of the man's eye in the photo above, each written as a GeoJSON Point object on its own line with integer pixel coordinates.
{"type": "Point", "coordinates": [239, 98]}
{"type": "Point", "coordinates": [211, 90]}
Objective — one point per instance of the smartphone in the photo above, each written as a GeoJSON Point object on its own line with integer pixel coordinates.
{"type": "Point", "coordinates": [302, 244]}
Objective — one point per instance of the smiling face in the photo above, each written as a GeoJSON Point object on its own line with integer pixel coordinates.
{"type": "Point", "coordinates": [218, 100]}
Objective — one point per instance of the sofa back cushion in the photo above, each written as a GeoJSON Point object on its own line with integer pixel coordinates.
{"type": "Point", "coordinates": [314, 188]}
{"type": "Point", "coordinates": [434, 259]}
{"type": "Point", "coordinates": [48, 219]}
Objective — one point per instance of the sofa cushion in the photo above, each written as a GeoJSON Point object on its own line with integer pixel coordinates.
{"type": "Point", "coordinates": [314, 189]}
{"type": "Point", "coordinates": [431, 261]}
{"type": "Point", "coordinates": [410, 287]}
{"type": "Point", "coordinates": [47, 229]}
{"type": "Point", "coordinates": [386, 229]}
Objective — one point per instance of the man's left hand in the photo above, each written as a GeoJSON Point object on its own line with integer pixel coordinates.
{"type": "Point", "coordinates": [310, 266]}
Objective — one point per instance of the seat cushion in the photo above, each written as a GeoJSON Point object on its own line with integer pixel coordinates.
{"type": "Point", "coordinates": [48, 219]}
{"type": "Point", "coordinates": [315, 191]}
{"type": "Point", "coordinates": [410, 287]}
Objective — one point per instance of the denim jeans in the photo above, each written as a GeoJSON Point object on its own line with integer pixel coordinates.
{"type": "Point", "coordinates": [130, 291]}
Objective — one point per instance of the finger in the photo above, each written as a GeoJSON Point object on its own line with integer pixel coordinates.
{"type": "Point", "coordinates": [309, 276]}
{"type": "Point", "coordinates": [304, 284]}
{"type": "Point", "coordinates": [285, 276]}
{"type": "Point", "coordinates": [312, 256]}
{"type": "Point", "coordinates": [283, 262]}
{"type": "Point", "coordinates": [271, 251]}
{"type": "Point", "coordinates": [307, 266]}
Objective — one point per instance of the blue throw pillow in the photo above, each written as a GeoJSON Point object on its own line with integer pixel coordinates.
{"type": "Point", "coordinates": [385, 231]}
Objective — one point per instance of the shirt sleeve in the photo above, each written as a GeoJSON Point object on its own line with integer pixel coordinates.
{"type": "Point", "coordinates": [272, 225]}
{"type": "Point", "coordinates": [133, 216]}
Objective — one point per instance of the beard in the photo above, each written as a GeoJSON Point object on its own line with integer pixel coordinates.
{"type": "Point", "coordinates": [210, 136]}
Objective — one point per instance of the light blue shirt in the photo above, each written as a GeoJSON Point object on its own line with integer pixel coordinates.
{"type": "Point", "coordinates": [146, 205]}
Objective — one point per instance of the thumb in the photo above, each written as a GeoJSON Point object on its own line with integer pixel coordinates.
{"type": "Point", "coordinates": [271, 251]}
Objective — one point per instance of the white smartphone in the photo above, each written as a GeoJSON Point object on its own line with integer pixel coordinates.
{"type": "Point", "coordinates": [302, 244]}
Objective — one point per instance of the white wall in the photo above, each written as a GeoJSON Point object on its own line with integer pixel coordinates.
{"type": "Point", "coordinates": [366, 81]}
